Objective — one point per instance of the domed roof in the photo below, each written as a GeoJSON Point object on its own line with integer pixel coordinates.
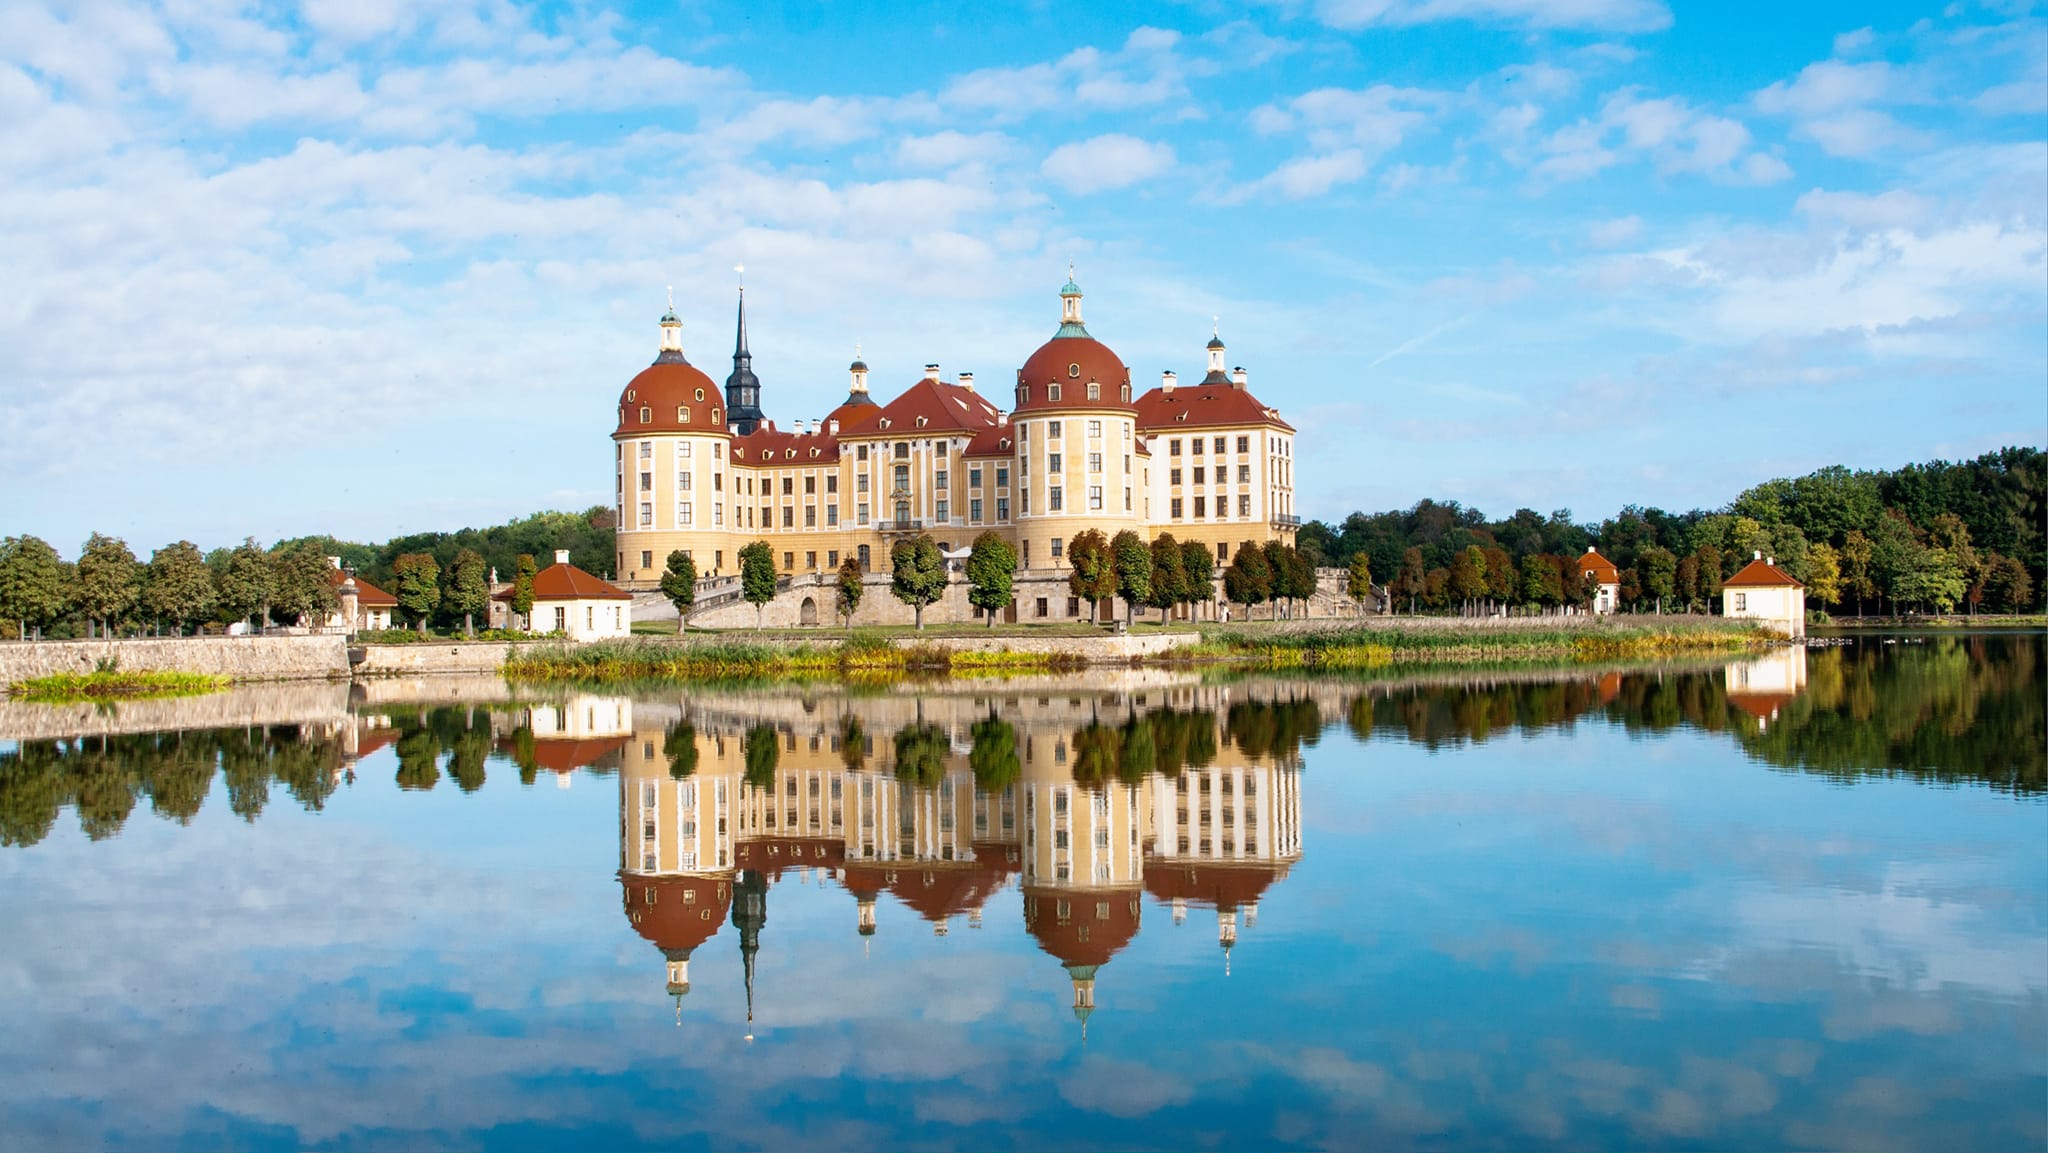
{"type": "Point", "coordinates": [1097, 925]}
{"type": "Point", "coordinates": [676, 913]}
{"type": "Point", "coordinates": [674, 396]}
{"type": "Point", "coordinates": [1072, 362]}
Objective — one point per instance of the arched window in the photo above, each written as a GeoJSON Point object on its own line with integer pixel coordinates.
{"type": "Point", "coordinates": [683, 413]}
{"type": "Point", "coordinates": [646, 414]}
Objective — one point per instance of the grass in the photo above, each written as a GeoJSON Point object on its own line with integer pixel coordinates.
{"type": "Point", "coordinates": [1374, 646]}
{"type": "Point", "coordinates": [861, 656]}
{"type": "Point", "coordinates": [107, 684]}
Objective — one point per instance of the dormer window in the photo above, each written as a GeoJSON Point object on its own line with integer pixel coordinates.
{"type": "Point", "coordinates": [683, 414]}
{"type": "Point", "coordinates": [1127, 394]}
{"type": "Point", "coordinates": [629, 396]}
{"type": "Point", "coordinates": [1094, 391]}
{"type": "Point", "coordinates": [700, 394]}
{"type": "Point", "coordinates": [646, 414]}
{"type": "Point", "coordinates": [921, 422]}
{"type": "Point", "coordinates": [1023, 395]}
{"type": "Point", "coordinates": [717, 416]}
{"type": "Point", "coordinates": [1052, 392]}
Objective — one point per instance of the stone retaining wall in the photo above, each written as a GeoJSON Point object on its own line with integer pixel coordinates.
{"type": "Point", "coordinates": [431, 658]}
{"type": "Point", "coordinates": [243, 658]}
{"type": "Point", "coordinates": [321, 703]}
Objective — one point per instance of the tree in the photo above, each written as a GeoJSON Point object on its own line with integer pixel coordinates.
{"type": "Point", "coordinates": [242, 586]}
{"type": "Point", "coordinates": [1133, 572]}
{"type": "Point", "coordinates": [469, 592]}
{"type": "Point", "coordinates": [1540, 583]}
{"type": "Point", "coordinates": [918, 575]}
{"type": "Point", "coordinates": [1688, 581]}
{"type": "Point", "coordinates": [1501, 578]}
{"type": "Point", "coordinates": [850, 590]}
{"type": "Point", "coordinates": [1932, 576]}
{"type": "Point", "coordinates": [679, 585]}
{"type": "Point", "coordinates": [1893, 545]}
{"type": "Point", "coordinates": [1280, 586]}
{"type": "Point", "coordinates": [1658, 568]}
{"type": "Point", "coordinates": [1092, 568]}
{"type": "Point", "coordinates": [994, 756]}
{"type": "Point", "coordinates": [2008, 585]}
{"type": "Point", "coordinates": [1358, 580]}
{"type": "Point", "coordinates": [921, 754]}
{"type": "Point", "coordinates": [1169, 578]}
{"type": "Point", "coordinates": [757, 577]}
{"type": "Point", "coordinates": [108, 582]}
{"type": "Point", "coordinates": [680, 747]}
{"type": "Point", "coordinates": [177, 587]}
{"type": "Point", "coordinates": [1301, 572]}
{"type": "Point", "coordinates": [1468, 575]}
{"type": "Point", "coordinates": [32, 584]}
{"type": "Point", "coordinates": [1198, 566]}
{"type": "Point", "coordinates": [991, 573]}
{"type": "Point", "coordinates": [1248, 580]}
{"type": "Point", "coordinates": [522, 590]}
{"type": "Point", "coordinates": [1708, 559]}
{"type": "Point", "coordinates": [762, 752]}
{"type": "Point", "coordinates": [419, 586]}
{"type": "Point", "coordinates": [1412, 577]}
{"type": "Point", "coordinates": [302, 583]}
{"type": "Point", "coordinates": [1855, 562]}
{"type": "Point", "coordinates": [1824, 575]}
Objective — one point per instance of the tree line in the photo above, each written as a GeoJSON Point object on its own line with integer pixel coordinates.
{"type": "Point", "coordinates": [1938, 536]}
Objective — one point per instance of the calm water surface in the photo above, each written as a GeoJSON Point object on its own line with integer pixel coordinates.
{"type": "Point", "coordinates": [1800, 901]}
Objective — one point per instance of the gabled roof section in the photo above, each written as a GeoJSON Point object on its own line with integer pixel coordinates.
{"type": "Point", "coordinates": [566, 582]}
{"type": "Point", "coordinates": [995, 440]}
{"type": "Point", "coordinates": [1204, 406]}
{"type": "Point", "coordinates": [929, 408]}
{"type": "Point", "coordinates": [768, 446]}
{"type": "Point", "coordinates": [368, 596]}
{"type": "Point", "coordinates": [1603, 570]}
{"type": "Point", "coordinates": [1759, 574]}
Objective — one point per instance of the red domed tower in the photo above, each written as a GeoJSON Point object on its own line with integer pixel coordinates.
{"type": "Point", "coordinates": [671, 448]}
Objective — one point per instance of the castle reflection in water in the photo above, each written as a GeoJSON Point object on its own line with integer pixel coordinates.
{"type": "Point", "coordinates": [942, 800]}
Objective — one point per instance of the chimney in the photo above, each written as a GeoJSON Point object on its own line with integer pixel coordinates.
{"type": "Point", "coordinates": [334, 562]}
{"type": "Point", "coordinates": [561, 556]}
{"type": "Point", "coordinates": [1166, 382]}
{"type": "Point", "coordinates": [1757, 555]}
{"type": "Point", "coordinates": [931, 372]}
{"type": "Point", "coordinates": [835, 428]}
{"type": "Point", "coordinates": [1772, 561]}
{"type": "Point", "coordinates": [967, 381]}
{"type": "Point", "coordinates": [1002, 419]}
{"type": "Point", "coordinates": [1237, 379]}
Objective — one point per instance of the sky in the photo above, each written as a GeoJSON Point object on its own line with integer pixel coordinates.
{"type": "Point", "coordinates": [365, 267]}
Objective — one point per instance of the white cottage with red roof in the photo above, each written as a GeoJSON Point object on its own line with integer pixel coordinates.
{"type": "Point", "coordinates": [1605, 580]}
{"type": "Point", "coordinates": [572, 602]}
{"type": "Point", "coordinates": [1767, 594]}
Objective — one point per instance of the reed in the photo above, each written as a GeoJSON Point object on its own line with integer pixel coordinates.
{"type": "Point", "coordinates": [106, 685]}
{"type": "Point", "coordinates": [860, 657]}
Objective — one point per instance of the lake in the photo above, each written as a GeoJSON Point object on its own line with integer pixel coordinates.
{"type": "Point", "coordinates": [1793, 901]}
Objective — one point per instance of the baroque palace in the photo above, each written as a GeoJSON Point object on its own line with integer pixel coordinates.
{"type": "Point", "coordinates": [702, 470]}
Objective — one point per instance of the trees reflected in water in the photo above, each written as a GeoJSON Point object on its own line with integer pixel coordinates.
{"type": "Point", "coordinates": [1961, 709]}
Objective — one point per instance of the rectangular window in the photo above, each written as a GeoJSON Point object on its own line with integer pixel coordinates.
{"type": "Point", "coordinates": [1055, 499]}
{"type": "Point", "coordinates": [1053, 462]}
{"type": "Point", "coordinates": [1195, 445]}
{"type": "Point", "coordinates": [683, 481]}
{"type": "Point", "coordinates": [1201, 506]}
{"type": "Point", "coordinates": [831, 482]}
{"type": "Point", "coordinates": [1002, 476]}
{"type": "Point", "coordinates": [788, 517]}
{"type": "Point", "coordinates": [646, 514]}
{"type": "Point", "coordinates": [810, 485]}
{"type": "Point", "coordinates": [717, 482]}
{"type": "Point", "coordinates": [1024, 503]}
{"type": "Point", "coordinates": [1094, 428]}
{"type": "Point", "coordinates": [646, 450]}
{"type": "Point", "coordinates": [974, 477]}
{"type": "Point", "coordinates": [939, 447]}
{"type": "Point", "coordinates": [1127, 500]}
{"type": "Point", "coordinates": [561, 618]}
{"type": "Point", "coordinates": [646, 482]}
{"type": "Point", "coordinates": [788, 565]}
{"type": "Point", "coordinates": [1094, 462]}
{"type": "Point", "coordinates": [1219, 444]}
{"type": "Point", "coordinates": [1173, 476]}
{"type": "Point", "coordinates": [1173, 447]}
{"type": "Point", "coordinates": [718, 514]}
{"type": "Point", "coordinates": [1222, 552]}
{"type": "Point", "coordinates": [789, 486]}
{"type": "Point", "coordinates": [1058, 547]}
{"type": "Point", "coordinates": [810, 516]}
{"type": "Point", "coordinates": [939, 479]}
{"type": "Point", "coordinates": [1002, 508]}
{"type": "Point", "coordinates": [683, 515]}
{"type": "Point", "coordinates": [974, 510]}
{"type": "Point", "coordinates": [1176, 508]}
{"type": "Point", "coordinates": [860, 452]}
{"type": "Point", "coordinates": [1741, 602]}
{"type": "Point", "coordinates": [810, 560]}
{"type": "Point", "coordinates": [717, 452]}
{"type": "Point", "coordinates": [1095, 496]}
{"type": "Point", "coordinates": [1052, 391]}
{"type": "Point", "coordinates": [646, 558]}
{"type": "Point", "coordinates": [832, 561]}
{"type": "Point", "coordinates": [1052, 428]}
{"type": "Point", "coordinates": [860, 483]}
{"type": "Point", "coordinates": [902, 450]}
{"type": "Point", "coordinates": [1042, 606]}
{"type": "Point", "coordinates": [943, 510]}
{"type": "Point", "coordinates": [860, 513]}
{"type": "Point", "coordinates": [1244, 506]}
{"type": "Point", "coordinates": [831, 516]}
{"type": "Point", "coordinates": [902, 477]}
{"type": "Point", "coordinates": [1200, 472]}
{"type": "Point", "coordinates": [1244, 474]}
{"type": "Point", "coordinates": [1094, 390]}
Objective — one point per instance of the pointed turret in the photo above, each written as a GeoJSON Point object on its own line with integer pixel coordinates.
{"type": "Point", "coordinates": [671, 335]}
{"type": "Point", "coordinates": [742, 388]}
{"type": "Point", "coordinates": [857, 391]}
{"type": "Point", "coordinates": [1070, 308]}
{"type": "Point", "coordinates": [1216, 374]}
{"type": "Point", "coordinates": [749, 914]}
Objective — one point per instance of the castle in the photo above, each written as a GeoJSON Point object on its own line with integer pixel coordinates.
{"type": "Point", "coordinates": [702, 470]}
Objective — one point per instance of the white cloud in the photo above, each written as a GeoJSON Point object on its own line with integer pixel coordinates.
{"type": "Point", "coordinates": [1616, 232]}
{"type": "Point", "coordinates": [1676, 137]}
{"type": "Point", "coordinates": [1834, 104]}
{"type": "Point", "coordinates": [951, 149]}
{"type": "Point", "coordinates": [1146, 71]}
{"type": "Point", "coordinates": [1603, 15]}
{"type": "Point", "coordinates": [1311, 176]}
{"type": "Point", "coordinates": [1106, 162]}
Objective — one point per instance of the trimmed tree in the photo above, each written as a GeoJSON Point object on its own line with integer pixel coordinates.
{"type": "Point", "coordinates": [1133, 572]}
{"type": "Point", "coordinates": [994, 756]}
{"type": "Point", "coordinates": [419, 586]}
{"type": "Point", "coordinates": [177, 586]}
{"type": "Point", "coordinates": [244, 584]}
{"type": "Point", "coordinates": [1248, 580]}
{"type": "Point", "coordinates": [757, 577]}
{"type": "Point", "coordinates": [302, 583]}
{"type": "Point", "coordinates": [762, 752]}
{"type": "Point", "coordinates": [1169, 578]}
{"type": "Point", "coordinates": [679, 585]}
{"type": "Point", "coordinates": [1093, 568]}
{"type": "Point", "coordinates": [918, 574]}
{"type": "Point", "coordinates": [32, 584]}
{"type": "Point", "coordinates": [1468, 575]}
{"type": "Point", "coordinates": [521, 603]}
{"type": "Point", "coordinates": [469, 589]}
{"type": "Point", "coordinates": [1301, 576]}
{"type": "Point", "coordinates": [991, 574]}
{"type": "Point", "coordinates": [1358, 579]}
{"type": "Point", "coordinates": [1198, 566]}
{"type": "Point", "coordinates": [108, 581]}
{"type": "Point", "coordinates": [1280, 584]}
{"type": "Point", "coordinates": [1413, 579]}
{"type": "Point", "coordinates": [850, 590]}
{"type": "Point", "coordinates": [1659, 569]}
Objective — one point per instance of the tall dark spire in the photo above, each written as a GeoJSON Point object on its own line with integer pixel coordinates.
{"type": "Point", "coordinates": [743, 388]}
{"type": "Point", "coordinates": [749, 915]}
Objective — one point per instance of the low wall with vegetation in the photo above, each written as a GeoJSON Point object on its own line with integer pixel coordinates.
{"type": "Point", "coordinates": [323, 704]}
{"type": "Point", "coordinates": [238, 658]}
{"type": "Point", "coordinates": [435, 658]}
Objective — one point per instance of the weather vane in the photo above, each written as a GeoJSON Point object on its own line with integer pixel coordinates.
{"type": "Point", "coordinates": [741, 269]}
{"type": "Point", "coordinates": [671, 298]}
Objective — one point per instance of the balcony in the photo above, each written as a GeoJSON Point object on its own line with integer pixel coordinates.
{"type": "Point", "coordinates": [1286, 520]}
{"type": "Point", "coordinates": [900, 524]}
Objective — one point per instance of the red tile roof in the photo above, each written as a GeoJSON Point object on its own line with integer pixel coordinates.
{"type": "Point", "coordinates": [566, 582]}
{"type": "Point", "coordinates": [369, 596]}
{"type": "Point", "coordinates": [1222, 885]}
{"type": "Point", "coordinates": [1085, 937]}
{"type": "Point", "coordinates": [667, 389]}
{"type": "Point", "coordinates": [768, 445]}
{"type": "Point", "coordinates": [1603, 570]}
{"type": "Point", "coordinates": [1203, 406]}
{"type": "Point", "coordinates": [568, 756]}
{"type": "Point", "coordinates": [995, 440]}
{"type": "Point", "coordinates": [1071, 362]}
{"type": "Point", "coordinates": [1757, 574]}
{"type": "Point", "coordinates": [944, 407]}
{"type": "Point", "coordinates": [676, 913]}
{"type": "Point", "coordinates": [1762, 706]}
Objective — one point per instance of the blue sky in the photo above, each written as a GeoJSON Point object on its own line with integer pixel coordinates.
{"type": "Point", "coordinates": [370, 266]}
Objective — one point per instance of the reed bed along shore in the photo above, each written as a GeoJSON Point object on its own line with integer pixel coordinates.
{"type": "Point", "coordinates": [1365, 646]}
{"type": "Point", "coordinates": [111, 685]}
{"type": "Point", "coordinates": [647, 659]}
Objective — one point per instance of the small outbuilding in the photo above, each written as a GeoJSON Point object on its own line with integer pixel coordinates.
{"type": "Point", "coordinates": [1767, 594]}
{"type": "Point", "coordinates": [359, 606]}
{"type": "Point", "coordinates": [572, 602]}
{"type": "Point", "coordinates": [1600, 572]}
